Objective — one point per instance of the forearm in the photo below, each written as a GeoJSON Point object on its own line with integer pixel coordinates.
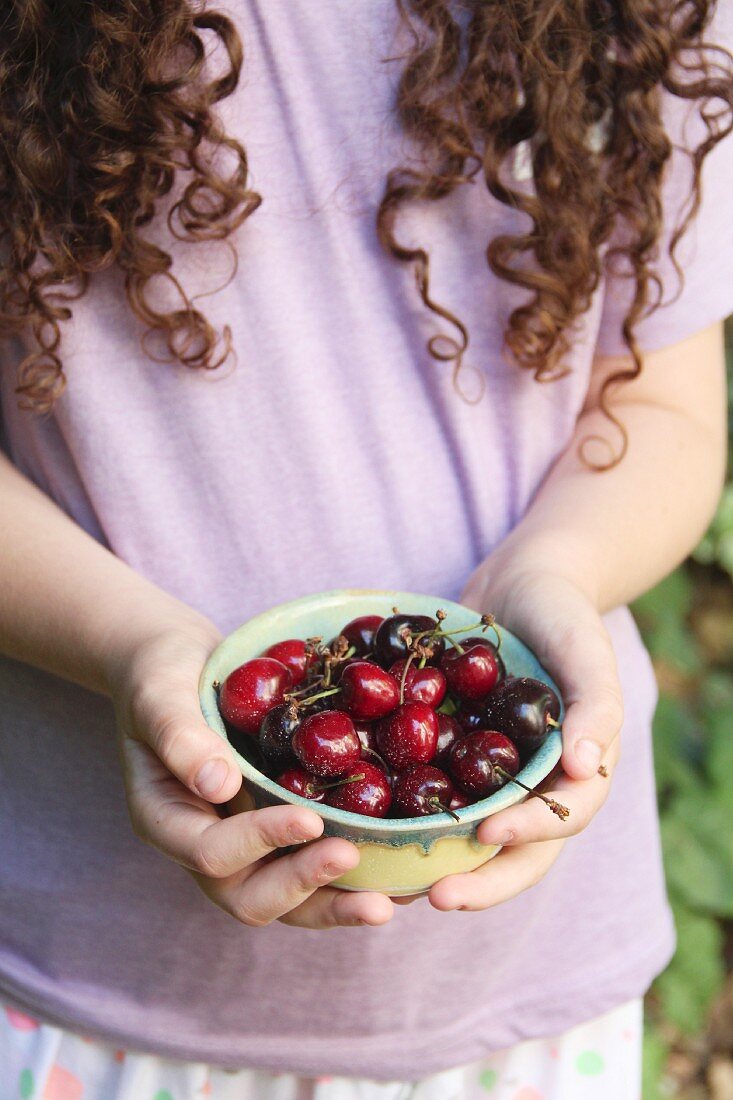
{"type": "Point", "coordinates": [616, 533]}
{"type": "Point", "coordinates": [66, 603]}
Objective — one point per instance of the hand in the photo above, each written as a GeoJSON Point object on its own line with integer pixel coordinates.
{"type": "Point", "coordinates": [175, 767]}
{"type": "Point", "coordinates": [557, 620]}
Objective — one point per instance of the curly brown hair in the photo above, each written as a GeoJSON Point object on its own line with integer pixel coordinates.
{"type": "Point", "coordinates": [103, 106]}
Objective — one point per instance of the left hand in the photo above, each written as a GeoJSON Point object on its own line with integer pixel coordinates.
{"type": "Point", "coordinates": [558, 621]}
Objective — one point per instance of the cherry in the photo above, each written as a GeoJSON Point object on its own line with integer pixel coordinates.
{"type": "Point", "coordinates": [294, 655]}
{"type": "Point", "coordinates": [390, 642]}
{"type": "Point", "coordinates": [360, 632]}
{"type": "Point", "coordinates": [422, 790]}
{"type": "Point", "coordinates": [408, 736]}
{"type": "Point", "coordinates": [494, 649]}
{"type": "Point", "coordinates": [474, 716]}
{"type": "Point", "coordinates": [422, 685]}
{"type": "Point", "coordinates": [526, 710]}
{"type": "Point", "coordinates": [327, 743]}
{"type": "Point", "coordinates": [458, 801]}
{"type": "Point", "coordinates": [471, 671]}
{"type": "Point", "coordinates": [251, 690]}
{"type": "Point", "coordinates": [300, 782]}
{"type": "Point", "coordinates": [371, 795]}
{"type": "Point", "coordinates": [478, 761]}
{"type": "Point", "coordinates": [367, 691]}
{"type": "Point", "coordinates": [276, 735]}
{"type": "Point", "coordinates": [448, 733]}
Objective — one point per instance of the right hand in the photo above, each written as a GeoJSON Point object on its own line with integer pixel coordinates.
{"type": "Point", "coordinates": [176, 770]}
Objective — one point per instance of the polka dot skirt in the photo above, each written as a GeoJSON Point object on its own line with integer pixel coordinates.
{"type": "Point", "coordinates": [599, 1060]}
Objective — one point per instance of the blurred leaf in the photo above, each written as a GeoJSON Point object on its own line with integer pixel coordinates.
{"type": "Point", "coordinates": [675, 745]}
{"type": "Point", "coordinates": [697, 834]}
{"type": "Point", "coordinates": [696, 974]}
{"type": "Point", "coordinates": [655, 1056]}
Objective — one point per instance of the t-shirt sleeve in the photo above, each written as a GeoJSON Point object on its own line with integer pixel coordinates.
{"type": "Point", "coordinates": [704, 253]}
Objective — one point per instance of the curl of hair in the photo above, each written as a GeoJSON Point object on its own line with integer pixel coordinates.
{"type": "Point", "coordinates": [102, 105]}
{"type": "Point", "coordinates": [482, 76]}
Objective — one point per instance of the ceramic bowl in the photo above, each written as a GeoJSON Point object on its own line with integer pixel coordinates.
{"type": "Point", "coordinates": [398, 856]}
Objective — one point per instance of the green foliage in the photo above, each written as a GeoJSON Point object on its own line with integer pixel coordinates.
{"type": "Point", "coordinates": [716, 547]}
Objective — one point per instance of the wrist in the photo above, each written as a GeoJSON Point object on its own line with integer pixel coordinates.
{"type": "Point", "coordinates": [130, 643]}
{"type": "Point", "coordinates": [520, 561]}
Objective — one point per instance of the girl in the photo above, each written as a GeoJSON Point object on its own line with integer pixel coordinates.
{"type": "Point", "coordinates": [189, 442]}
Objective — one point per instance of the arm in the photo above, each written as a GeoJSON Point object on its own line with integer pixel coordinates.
{"type": "Point", "coordinates": [589, 542]}
{"type": "Point", "coordinates": [73, 608]}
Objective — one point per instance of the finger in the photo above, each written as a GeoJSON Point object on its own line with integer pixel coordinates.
{"type": "Point", "coordinates": [332, 908]}
{"type": "Point", "coordinates": [280, 886]}
{"type": "Point", "coordinates": [503, 877]}
{"type": "Point", "coordinates": [533, 820]}
{"type": "Point", "coordinates": [167, 717]}
{"type": "Point", "coordinates": [189, 830]}
{"type": "Point", "coordinates": [592, 693]}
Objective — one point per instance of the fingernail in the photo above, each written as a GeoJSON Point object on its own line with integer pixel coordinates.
{"type": "Point", "coordinates": [589, 754]}
{"type": "Point", "coordinates": [332, 870]}
{"type": "Point", "coordinates": [299, 835]}
{"type": "Point", "coordinates": [211, 777]}
{"type": "Point", "coordinates": [504, 838]}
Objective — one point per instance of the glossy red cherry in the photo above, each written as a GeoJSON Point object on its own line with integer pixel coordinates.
{"type": "Point", "coordinates": [448, 733]}
{"type": "Point", "coordinates": [293, 654]}
{"type": "Point", "coordinates": [370, 795]}
{"type": "Point", "coordinates": [526, 710]}
{"type": "Point", "coordinates": [360, 632]}
{"type": "Point", "coordinates": [458, 801]}
{"type": "Point", "coordinates": [251, 690]}
{"type": "Point", "coordinates": [487, 641]}
{"type": "Point", "coordinates": [390, 642]}
{"type": "Point", "coordinates": [367, 691]}
{"type": "Point", "coordinates": [366, 733]}
{"type": "Point", "coordinates": [408, 736]}
{"type": "Point", "coordinates": [422, 685]}
{"type": "Point", "coordinates": [327, 743]}
{"type": "Point", "coordinates": [276, 736]}
{"type": "Point", "coordinates": [422, 790]}
{"type": "Point", "coordinates": [300, 782]}
{"type": "Point", "coordinates": [477, 762]}
{"type": "Point", "coordinates": [473, 673]}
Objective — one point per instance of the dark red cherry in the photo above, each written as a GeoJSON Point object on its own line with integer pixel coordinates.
{"type": "Point", "coordinates": [360, 632]}
{"type": "Point", "coordinates": [422, 685]}
{"type": "Point", "coordinates": [390, 643]}
{"type": "Point", "coordinates": [276, 735]}
{"type": "Point", "coordinates": [526, 710]}
{"type": "Point", "coordinates": [422, 790]}
{"type": "Point", "coordinates": [251, 690]}
{"type": "Point", "coordinates": [292, 653]}
{"type": "Point", "coordinates": [300, 782]}
{"type": "Point", "coordinates": [371, 795]}
{"type": "Point", "coordinates": [327, 743]}
{"type": "Point", "coordinates": [366, 733]}
{"type": "Point", "coordinates": [473, 673]}
{"type": "Point", "coordinates": [473, 716]}
{"type": "Point", "coordinates": [458, 801]}
{"type": "Point", "coordinates": [408, 736]}
{"type": "Point", "coordinates": [448, 733]}
{"type": "Point", "coordinates": [367, 691]}
{"type": "Point", "coordinates": [475, 761]}
{"type": "Point", "coordinates": [487, 641]}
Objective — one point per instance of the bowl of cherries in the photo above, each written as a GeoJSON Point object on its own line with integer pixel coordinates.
{"type": "Point", "coordinates": [402, 719]}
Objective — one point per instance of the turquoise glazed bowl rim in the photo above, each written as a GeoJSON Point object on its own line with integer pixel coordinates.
{"type": "Point", "coordinates": [240, 646]}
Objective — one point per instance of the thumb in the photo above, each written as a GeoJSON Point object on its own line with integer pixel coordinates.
{"type": "Point", "coordinates": [168, 719]}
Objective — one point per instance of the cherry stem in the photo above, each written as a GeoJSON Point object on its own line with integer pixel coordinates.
{"type": "Point", "coordinates": [403, 678]}
{"type": "Point", "coordinates": [439, 806]}
{"type": "Point", "coordinates": [557, 807]}
{"type": "Point", "coordinates": [338, 783]}
{"type": "Point", "coordinates": [373, 752]}
{"type": "Point", "coordinates": [312, 698]}
{"type": "Point", "coordinates": [552, 723]}
{"type": "Point", "coordinates": [317, 682]}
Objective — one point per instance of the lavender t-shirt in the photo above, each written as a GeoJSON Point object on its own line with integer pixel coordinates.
{"type": "Point", "coordinates": [334, 454]}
